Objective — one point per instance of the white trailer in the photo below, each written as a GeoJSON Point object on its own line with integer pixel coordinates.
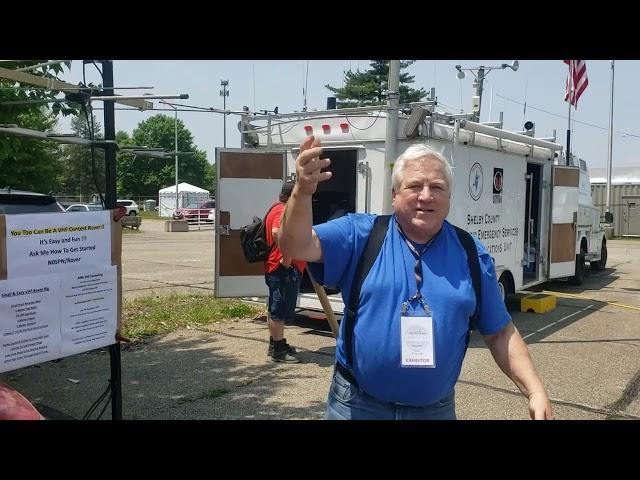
{"type": "Point", "coordinates": [511, 191]}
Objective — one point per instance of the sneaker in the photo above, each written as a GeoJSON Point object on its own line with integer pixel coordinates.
{"type": "Point", "coordinates": [283, 352]}
{"type": "Point", "coordinates": [291, 349]}
{"type": "Point", "coordinates": [285, 357]}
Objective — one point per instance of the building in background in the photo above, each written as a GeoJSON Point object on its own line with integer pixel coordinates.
{"type": "Point", "coordinates": [625, 197]}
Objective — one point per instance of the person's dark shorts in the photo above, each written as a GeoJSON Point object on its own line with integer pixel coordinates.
{"type": "Point", "coordinates": [284, 285]}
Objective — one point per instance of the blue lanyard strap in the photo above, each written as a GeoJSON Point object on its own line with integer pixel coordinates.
{"type": "Point", "coordinates": [418, 266]}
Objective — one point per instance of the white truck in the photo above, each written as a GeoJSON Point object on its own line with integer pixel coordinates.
{"type": "Point", "coordinates": [510, 190]}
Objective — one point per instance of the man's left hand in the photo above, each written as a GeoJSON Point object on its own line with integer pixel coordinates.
{"type": "Point", "coordinates": [540, 407]}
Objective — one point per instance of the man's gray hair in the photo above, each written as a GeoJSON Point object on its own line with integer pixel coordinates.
{"type": "Point", "coordinates": [414, 153]}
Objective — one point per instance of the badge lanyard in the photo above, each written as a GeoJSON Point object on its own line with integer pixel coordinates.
{"type": "Point", "coordinates": [417, 297]}
{"type": "Point", "coordinates": [416, 332]}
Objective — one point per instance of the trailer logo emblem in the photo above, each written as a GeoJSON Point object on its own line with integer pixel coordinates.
{"type": "Point", "coordinates": [497, 185]}
{"type": "Point", "coordinates": [475, 181]}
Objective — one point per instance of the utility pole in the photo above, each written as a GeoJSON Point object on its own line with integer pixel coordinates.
{"type": "Point", "coordinates": [391, 137]}
{"type": "Point", "coordinates": [610, 149]}
{"type": "Point", "coordinates": [480, 73]}
{"type": "Point", "coordinates": [224, 93]}
{"type": "Point", "coordinates": [175, 144]}
{"type": "Point", "coordinates": [110, 203]}
{"type": "Point", "coordinates": [479, 83]}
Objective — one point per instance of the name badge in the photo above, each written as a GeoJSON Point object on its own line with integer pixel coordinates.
{"type": "Point", "coordinates": [417, 341]}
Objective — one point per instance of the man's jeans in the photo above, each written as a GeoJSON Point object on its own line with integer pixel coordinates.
{"type": "Point", "coordinates": [347, 402]}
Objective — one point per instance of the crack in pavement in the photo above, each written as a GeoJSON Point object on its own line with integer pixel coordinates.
{"type": "Point", "coordinates": [610, 412]}
{"type": "Point", "coordinates": [629, 394]}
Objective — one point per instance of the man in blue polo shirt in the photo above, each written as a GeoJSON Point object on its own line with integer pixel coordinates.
{"type": "Point", "coordinates": [412, 320]}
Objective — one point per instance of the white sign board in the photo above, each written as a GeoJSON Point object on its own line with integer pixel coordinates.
{"type": "Point", "coordinates": [60, 296]}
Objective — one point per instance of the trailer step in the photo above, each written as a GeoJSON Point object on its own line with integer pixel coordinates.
{"type": "Point", "coordinates": [538, 303]}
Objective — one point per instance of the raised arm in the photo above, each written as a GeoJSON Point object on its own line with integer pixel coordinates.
{"type": "Point", "coordinates": [296, 239]}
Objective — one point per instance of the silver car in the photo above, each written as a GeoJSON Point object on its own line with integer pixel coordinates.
{"type": "Point", "coordinates": [84, 207]}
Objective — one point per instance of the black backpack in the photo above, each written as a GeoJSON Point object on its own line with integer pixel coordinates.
{"type": "Point", "coordinates": [253, 238]}
{"type": "Point", "coordinates": [369, 255]}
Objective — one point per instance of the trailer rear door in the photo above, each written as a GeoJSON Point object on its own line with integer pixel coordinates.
{"type": "Point", "coordinates": [248, 183]}
{"type": "Point", "coordinates": [564, 214]}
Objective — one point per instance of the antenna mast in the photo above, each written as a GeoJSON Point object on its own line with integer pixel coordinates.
{"type": "Point", "coordinates": [304, 89]}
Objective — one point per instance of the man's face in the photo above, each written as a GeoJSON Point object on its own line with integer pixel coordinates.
{"type": "Point", "coordinates": [421, 203]}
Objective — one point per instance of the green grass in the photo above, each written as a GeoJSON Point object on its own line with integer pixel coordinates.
{"type": "Point", "coordinates": [148, 316]}
{"type": "Point", "coordinates": [145, 214]}
{"type": "Point", "coordinates": [212, 394]}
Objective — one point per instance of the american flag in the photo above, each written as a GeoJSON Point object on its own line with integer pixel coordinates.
{"type": "Point", "coordinates": [577, 81]}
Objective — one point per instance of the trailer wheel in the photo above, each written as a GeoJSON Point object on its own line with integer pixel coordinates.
{"type": "Point", "coordinates": [578, 278]}
{"type": "Point", "coordinates": [505, 282]}
{"type": "Point", "coordinates": [599, 265]}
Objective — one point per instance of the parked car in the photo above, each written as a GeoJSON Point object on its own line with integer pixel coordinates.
{"type": "Point", "coordinates": [84, 207]}
{"type": "Point", "coordinates": [195, 213]}
{"type": "Point", "coordinates": [20, 201]}
{"type": "Point", "coordinates": [130, 205]}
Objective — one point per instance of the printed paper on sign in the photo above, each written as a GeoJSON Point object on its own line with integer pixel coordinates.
{"type": "Point", "coordinates": [30, 321]}
{"type": "Point", "coordinates": [45, 243]}
{"type": "Point", "coordinates": [89, 309]}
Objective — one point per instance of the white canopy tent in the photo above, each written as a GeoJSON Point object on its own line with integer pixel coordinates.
{"type": "Point", "coordinates": [188, 196]}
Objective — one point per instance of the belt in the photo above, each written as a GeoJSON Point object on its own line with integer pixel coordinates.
{"type": "Point", "coordinates": [346, 373]}
{"type": "Point", "coordinates": [348, 376]}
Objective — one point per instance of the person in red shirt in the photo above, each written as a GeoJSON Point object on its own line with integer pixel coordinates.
{"type": "Point", "coordinates": [282, 276]}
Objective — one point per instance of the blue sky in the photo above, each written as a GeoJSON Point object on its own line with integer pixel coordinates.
{"type": "Point", "coordinates": [264, 84]}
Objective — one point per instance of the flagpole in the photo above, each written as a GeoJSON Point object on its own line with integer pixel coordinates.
{"type": "Point", "coordinates": [576, 83]}
{"type": "Point", "coordinates": [610, 146]}
{"type": "Point", "coordinates": [571, 93]}
{"type": "Point", "coordinates": [569, 135]}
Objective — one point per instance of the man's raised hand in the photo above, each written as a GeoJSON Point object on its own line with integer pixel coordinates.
{"type": "Point", "coordinates": [308, 166]}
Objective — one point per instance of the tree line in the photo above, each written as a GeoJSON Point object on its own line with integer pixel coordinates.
{"type": "Point", "coordinates": [77, 170]}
